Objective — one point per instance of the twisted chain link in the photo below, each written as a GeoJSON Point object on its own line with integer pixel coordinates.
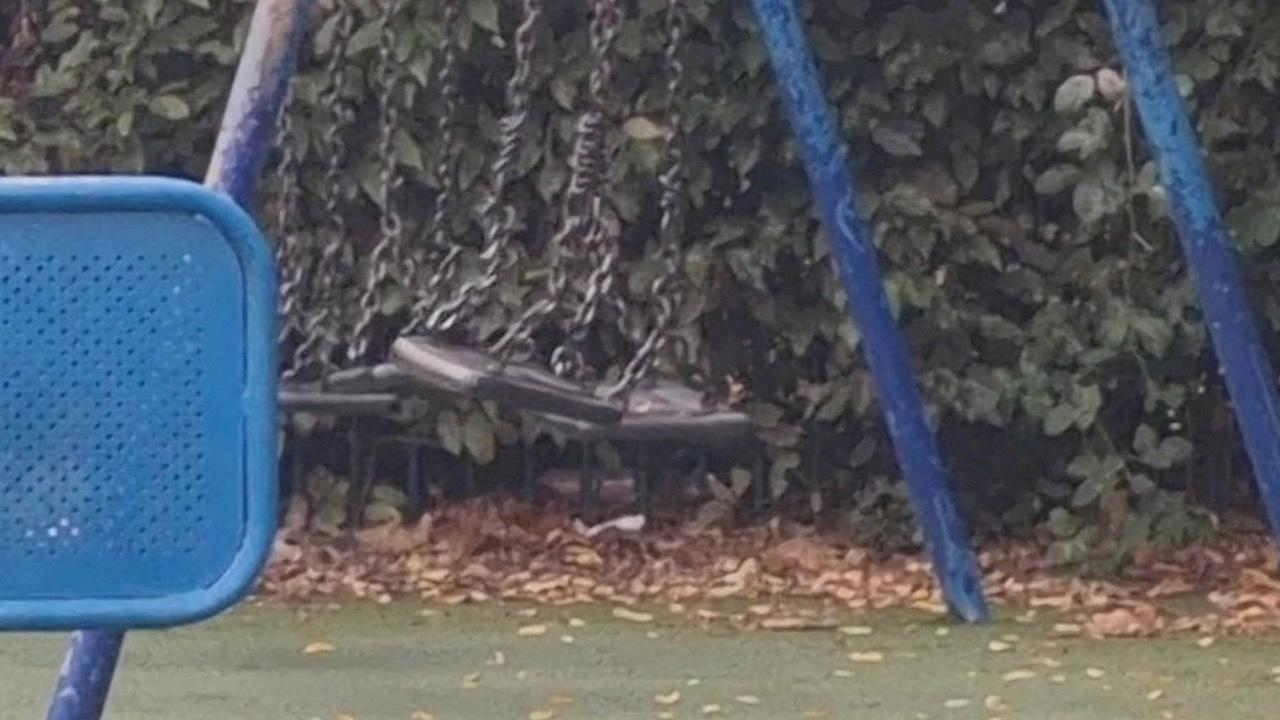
{"type": "Point", "coordinates": [667, 290]}
{"type": "Point", "coordinates": [497, 215]}
{"type": "Point", "coordinates": [600, 241]}
{"type": "Point", "coordinates": [441, 252]}
{"type": "Point", "coordinates": [318, 344]}
{"type": "Point", "coordinates": [582, 209]}
{"type": "Point", "coordinates": [386, 256]}
{"type": "Point", "coordinates": [292, 254]}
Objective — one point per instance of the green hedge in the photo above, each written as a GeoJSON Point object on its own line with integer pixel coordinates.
{"type": "Point", "coordinates": [1028, 254]}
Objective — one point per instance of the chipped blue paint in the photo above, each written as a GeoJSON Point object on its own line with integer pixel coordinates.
{"type": "Point", "coordinates": [248, 127]}
{"type": "Point", "coordinates": [886, 352]}
{"type": "Point", "coordinates": [1250, 378]}
{"type": "Point", "coordinates": [261, 82]}
{"type": "Point", "coordinates": [85, 679]}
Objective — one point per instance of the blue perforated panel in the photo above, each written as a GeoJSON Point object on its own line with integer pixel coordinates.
{"type": "Point", "coordinates": [134, 487]}
{"type": "Point", "coordinates": [120, 332]}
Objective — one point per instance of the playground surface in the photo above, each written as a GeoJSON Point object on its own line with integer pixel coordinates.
{"type": "Point", "coordinates": [492, 662]}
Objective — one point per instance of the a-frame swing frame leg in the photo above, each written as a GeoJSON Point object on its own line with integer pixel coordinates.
{"type": "Point", "coordinates": [248, 129]}
{"type": "Point", "coordinates": [1250, 378]}
{"type": "Point", "coordinates": [886, 351]}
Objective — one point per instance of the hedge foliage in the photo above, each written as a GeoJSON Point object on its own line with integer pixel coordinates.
{"type": "Point", "coordinates": [1029, 257]}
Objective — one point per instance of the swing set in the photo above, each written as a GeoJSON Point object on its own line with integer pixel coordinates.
{"type": "Point", "coordinates": [142, 319]}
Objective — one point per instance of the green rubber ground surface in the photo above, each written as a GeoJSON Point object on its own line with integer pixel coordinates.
{"type": "Point", "coordinates": [388, 663]}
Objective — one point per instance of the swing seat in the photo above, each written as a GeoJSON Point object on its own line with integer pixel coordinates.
{"type": "Point", "coordinates": [465, 372]}
{"type": "Point", "coordinates": [355, 392]}
{"type": "Point", "coordinates": [137, 403]}
{"type": "Point", "coordinates": [316, 401]}
{"type": "Point", "coordinates": [658, 411]}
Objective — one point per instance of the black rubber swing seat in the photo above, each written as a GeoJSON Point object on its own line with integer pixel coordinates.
{"type": "Point", "coordinates": [354, 392]}
{"type": "Point", "coordinates": [320, 402]}
{"type": "Point", "coordinates": [659, 411]}
{"type": "Point", "coordinates": [466, 372]}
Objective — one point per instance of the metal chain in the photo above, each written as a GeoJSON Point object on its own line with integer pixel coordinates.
{"type": "Point", "coordinates": [386, 255]}
{"type": "Point", "coordinates": [600, 241]}
{"type": "Point", "coordinates": [667, 290]}
{"type": "Point", "coordinates": [582, 206]}
{"type": "Point", "coordinates": [440, 252]}
{"type": "Point", "coordinates": [316, 342]}
{"type": "Point", "coordinates": [292, 254]}
{"type": "Point", "coordinates": [497, 215]}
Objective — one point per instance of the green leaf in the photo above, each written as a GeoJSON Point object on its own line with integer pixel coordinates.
{"type": "Point", "coordinates": [1089, 202]}
{"type": "Point", "coordinates": [407, 150]}
{"type": "Point", "coordinates": [1060, 419]}
{"type": "Point", "coordinates": [449, 429]}
{"type": "Point", "coordinates": [479, 438]}
{"type": "Point", "coordinates": [862, 452]}
{"type": "Point", "coordinates": [1074, 93]}
{"type": "Point", "coordinates": [1086, 494]}
{"type": "Point", "coordinates": [169, 107]}
{"type": "Point", "coordinates": [1062, 523]}
{"type": "Point", "coordinates": [896, 142]}
{"type": "Point", "coordinates": [783, 466]}
{"type": "Point", "coordinates": [1056, 179]}
{"type": "Point", "coordinates": [382, 513]}
{"type": "Point", "coordinates": [484, 13]}
{"type": "Point", "coordinates": [1141, 484]}
{"type": "Point", "coordinates": [1088, 401]}
{"type": "Point", "coordinates": [1257, 223]}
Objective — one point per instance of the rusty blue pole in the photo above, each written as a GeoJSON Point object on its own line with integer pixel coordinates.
{"type": "Point", "coordinates": [248, 125]}
{"type": "Point", "coordinates": [855, 257]}
{"type": "Point", "coordinates": [1251, 381]}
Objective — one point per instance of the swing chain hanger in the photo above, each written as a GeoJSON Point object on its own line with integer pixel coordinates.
{"type": "Point", "coordinates": [386, 257]}
{"type": "Point", "coordinates": [667, 290]}
{"type": "Point", "coordinates": [316, 344]}
{"type": "Point", "coordinates": [292, 255]}
{"type": "Point", "coordinates": [582, 200]}
{"type": "Point", "coordinates": [496, 213]}
{"type": "Point", "coordinates": [591, 182]}
{"type": "Point", "coordinates": [441, 252]}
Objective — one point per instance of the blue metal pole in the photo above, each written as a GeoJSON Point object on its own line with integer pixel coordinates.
{"type": "Point", "coordinates": [248, 125]}
{"type": "Point", "coordinates": [85, 679]}
{"type": "Point", "coordinates": [886, 352]}
{"type": "Point", "coordinates": [257, 94]}
{"type": "Point", "coordinates": [1205, 240]}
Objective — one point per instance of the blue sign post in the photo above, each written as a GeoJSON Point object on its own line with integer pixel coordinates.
{"type": "Point", "coordinates": [886, 351]}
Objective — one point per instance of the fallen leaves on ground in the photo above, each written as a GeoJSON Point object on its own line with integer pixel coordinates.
{"type": "Point", "coordinates": [632, 615]}
{"type": "Point", "coordinates": [670, 698]}
{"type": "Point", "coordinates": [499, 549]}
{"type": "Point", "coordinates": [1131, 620]}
